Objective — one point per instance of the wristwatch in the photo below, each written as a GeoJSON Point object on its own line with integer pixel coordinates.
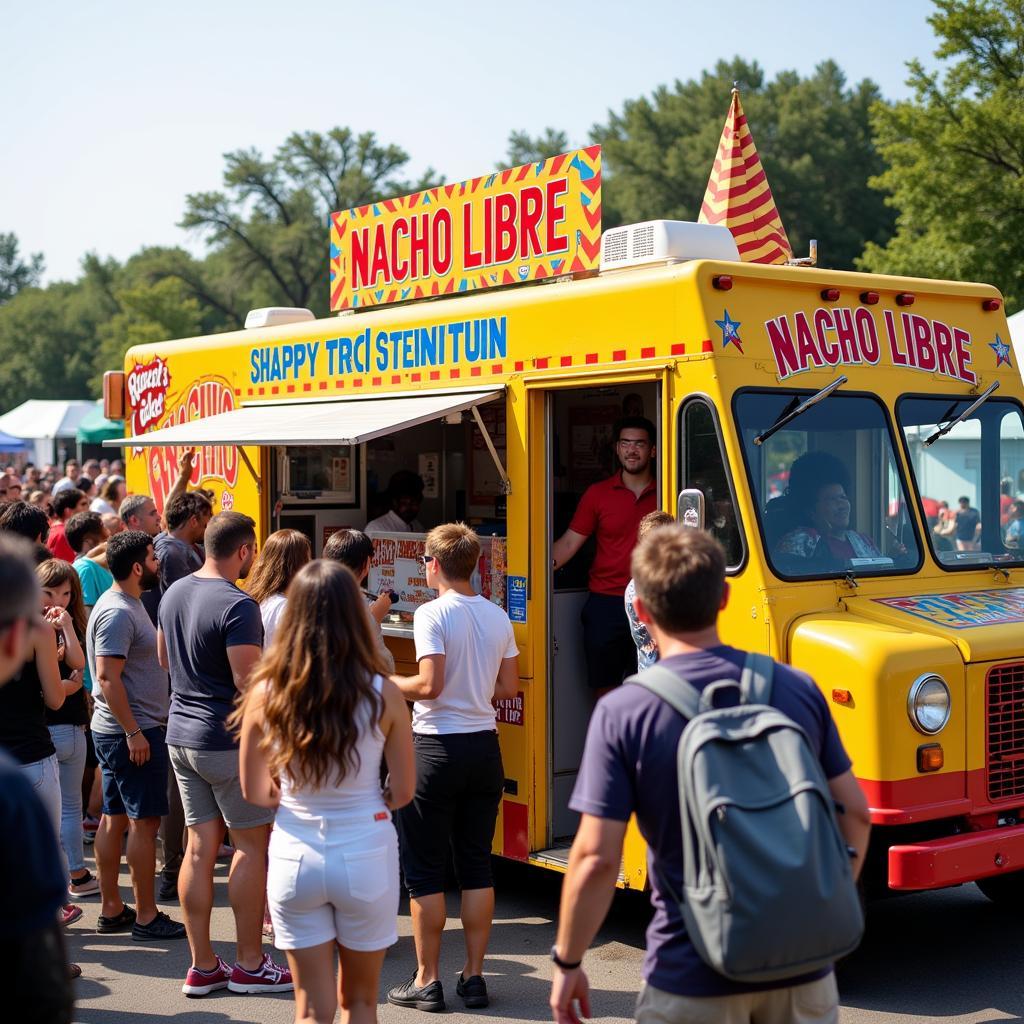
{"type": "Point", "coordinates": [564, 964]}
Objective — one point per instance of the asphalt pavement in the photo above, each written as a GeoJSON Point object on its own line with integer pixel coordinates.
{"type": "Point", "coordinates": [949, 957]}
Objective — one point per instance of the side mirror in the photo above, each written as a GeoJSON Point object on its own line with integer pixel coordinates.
{"type": "Point", "coordinates": [690, 508]}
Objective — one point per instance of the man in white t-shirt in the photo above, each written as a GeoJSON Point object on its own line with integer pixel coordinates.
{"type": "Point", "coordinates": [467, 658]}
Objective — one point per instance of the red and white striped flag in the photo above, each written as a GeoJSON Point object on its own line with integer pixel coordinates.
{"type": "Point", "coordinates": [738, 195]}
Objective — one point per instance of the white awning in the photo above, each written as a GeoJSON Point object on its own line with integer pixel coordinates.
{"type": "Point", "coordinates": [350, 420]}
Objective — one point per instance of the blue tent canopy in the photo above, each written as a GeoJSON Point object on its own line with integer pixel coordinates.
{"type": "Point", "coordinates": [9, 443]}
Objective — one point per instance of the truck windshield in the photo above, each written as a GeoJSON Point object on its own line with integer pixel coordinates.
{"type": "Point", "coordinates": [828, 488]}
{"type": "Point", "coordinates": [971, 481]}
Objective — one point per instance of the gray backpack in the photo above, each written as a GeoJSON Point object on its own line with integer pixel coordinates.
{"type": "Point", "coordinates": [768, 892]}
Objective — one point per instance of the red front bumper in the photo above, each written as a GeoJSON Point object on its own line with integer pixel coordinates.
{"type": "Point", "coordinates": [955, 859]}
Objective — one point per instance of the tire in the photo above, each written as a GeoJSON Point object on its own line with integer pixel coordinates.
{"type": "Point", "coordinates": [1006, 890]}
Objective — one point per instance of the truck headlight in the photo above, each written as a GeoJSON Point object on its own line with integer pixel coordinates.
{"type": "Point", "coordinates": [928, 704]}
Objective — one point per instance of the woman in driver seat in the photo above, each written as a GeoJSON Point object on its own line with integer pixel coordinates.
{"type": "Point", "coordinates": [817, 498]}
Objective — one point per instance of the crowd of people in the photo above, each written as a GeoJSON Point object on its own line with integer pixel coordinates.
{"type": "Point", "coordinates": [166, 683]}
{"type": "Point", "coordinates": [160, 700]}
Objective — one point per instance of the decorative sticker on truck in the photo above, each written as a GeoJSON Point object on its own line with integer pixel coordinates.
{"type": "Point", "coordinates": [963, 611]}
{"type": "Point", "coordinates": [152, 406]}
{"type": "Point", "coordinates": [1002, 351]}
{"type": "Point", "coordinates": [838, 336]}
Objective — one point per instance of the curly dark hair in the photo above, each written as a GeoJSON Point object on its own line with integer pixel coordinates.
{"type": "Point", "coordinates": [809, 474]}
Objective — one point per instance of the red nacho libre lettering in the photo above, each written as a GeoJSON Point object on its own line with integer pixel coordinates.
{"type": "Point", "coordinates": [208, 397]}
{"type": "Point", "coordinates": [844, 337]}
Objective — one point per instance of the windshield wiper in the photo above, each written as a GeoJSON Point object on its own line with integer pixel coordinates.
{"type": "Point", "coordinates": [790, 414]}
{"type": "Point", "coordinates": [943, 431]}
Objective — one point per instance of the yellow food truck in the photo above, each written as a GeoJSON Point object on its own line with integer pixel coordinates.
{"type": "Point", "coordinates": [490, 351]}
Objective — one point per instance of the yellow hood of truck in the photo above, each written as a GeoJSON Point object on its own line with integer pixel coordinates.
{"type": "Point", "coordinates": [986, 625]}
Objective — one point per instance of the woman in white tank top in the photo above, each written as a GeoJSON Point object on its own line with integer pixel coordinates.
{"type": "Point", "coordinates": [314, 726]}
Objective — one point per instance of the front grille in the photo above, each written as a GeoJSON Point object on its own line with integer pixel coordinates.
{"type": "Point", "coordinates": [1004, 702]}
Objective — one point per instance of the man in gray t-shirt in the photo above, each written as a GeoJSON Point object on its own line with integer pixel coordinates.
{"type": "Point", "coordinates": [131, 693]}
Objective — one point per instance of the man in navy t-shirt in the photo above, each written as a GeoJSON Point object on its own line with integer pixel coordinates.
{"type": "Point", "coordinates": [210, 635]}
{"type": "Point", "coordinates": [629, 756]}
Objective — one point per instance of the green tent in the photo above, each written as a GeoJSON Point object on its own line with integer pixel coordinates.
{"type": "Point", "coordinates": [96, 428]}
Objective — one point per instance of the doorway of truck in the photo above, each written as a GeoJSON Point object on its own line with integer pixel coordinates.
{"type": "Point", "coordinates": [580, 451]}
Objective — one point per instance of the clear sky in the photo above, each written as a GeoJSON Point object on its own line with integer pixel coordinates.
{"type": "Point", "coordinates": [114, 111]}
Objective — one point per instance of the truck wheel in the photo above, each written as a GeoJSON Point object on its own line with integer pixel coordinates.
{"type": "Point", "coordinates": [1007, 890]}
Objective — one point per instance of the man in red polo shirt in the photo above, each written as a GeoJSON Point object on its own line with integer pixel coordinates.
{"type": "Point", "coordinates": [611, 510]}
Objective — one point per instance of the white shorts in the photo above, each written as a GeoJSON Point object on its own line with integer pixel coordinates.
{"type": "Point", "coordinates": [333, 881]}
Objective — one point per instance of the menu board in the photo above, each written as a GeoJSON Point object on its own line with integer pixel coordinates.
{"type": "Point", "coordinates": [396, 566]}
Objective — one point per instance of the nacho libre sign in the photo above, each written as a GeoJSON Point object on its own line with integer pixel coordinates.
{"type": "Point", "coordinates": [837, 336]}
{"type": "Point", "coordinates": [153, 405]}
{"type": "Point", "coordinates": [523, 224]}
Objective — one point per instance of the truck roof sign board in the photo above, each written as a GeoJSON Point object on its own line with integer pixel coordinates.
{"type": "Point", "coordinates": [523, 224]}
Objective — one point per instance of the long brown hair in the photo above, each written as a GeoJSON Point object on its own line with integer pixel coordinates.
{"type": "Point", "coordinates": [284, 554]}
{"type": "Point", "coordinates": [53, 573]}
{"type": "Point", "coordinates": [316, 677]}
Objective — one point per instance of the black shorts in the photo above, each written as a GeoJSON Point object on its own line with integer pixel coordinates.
{"type": "Point", "coordinates": [607, 642]}
{"type": "Point", "coordinates": [459, 782]}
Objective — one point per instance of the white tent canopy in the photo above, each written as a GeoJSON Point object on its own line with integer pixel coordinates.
{"type": "Point", "coordinates": [1016, 324]}
{"type": "Point", "coordinates": [44, 423]}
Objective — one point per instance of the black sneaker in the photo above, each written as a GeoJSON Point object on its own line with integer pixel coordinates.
{"type": "Point", "coordinates": [429, 998]}
{"type": "Point", "coordinates": [160, 929]}
{"type": "Point", "coordinates": [124, 922]}
{"type": "Point", "coordinates": [473, 992]}
{"type": "Point", "coordinates": [167, 892]}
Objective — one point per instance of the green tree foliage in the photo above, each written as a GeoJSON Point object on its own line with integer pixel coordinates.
{"type": "Point", "coordinates": [812, 134]}
{"type": "Point", "coordinates": [524, 148]}
{"type": "Point", "coordinates": [48, 337]}
{"type": "Point", "coordinates": [955, 154]}
{"type": "Point", "coordinates": [268, 225]}
{"type": "Point", "coordinates": [15, 272]}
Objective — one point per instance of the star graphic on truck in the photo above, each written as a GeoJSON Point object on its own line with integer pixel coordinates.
{"type": "Point", "coordinates": [730, 331]}
{"type": "Point", "coordinates": [1002, 351]}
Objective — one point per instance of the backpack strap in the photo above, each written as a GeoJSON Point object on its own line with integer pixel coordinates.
{"type": "Point", "coordinates": [673, 689]}
{"type": "Point", "coordinates": [756, 681]}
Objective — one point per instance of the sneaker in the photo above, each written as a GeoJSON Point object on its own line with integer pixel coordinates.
{"type": "Point", "coordinates": [202, 983]}
{"type": "Point", "coordinates": [268, 977]}
{"type": "Point", "coordinates": [87, 885]}
{"type": "Point", "coordinates": [160, 929]}
{"type": "Point", "coordinates": [123, 922]}
{"type": "Point", "coordinates": [69, 914]}
{"type": "Point", "coordinates": [429, 998]}
{"type": "Point", "coordinates": [473, 991]}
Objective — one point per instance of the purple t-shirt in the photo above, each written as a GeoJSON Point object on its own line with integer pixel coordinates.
{"type": "Point", "coordinates": [629, 755]}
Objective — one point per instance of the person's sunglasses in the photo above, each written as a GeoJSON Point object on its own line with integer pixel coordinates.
{"type": "Point", "coordinates": [423, 559]}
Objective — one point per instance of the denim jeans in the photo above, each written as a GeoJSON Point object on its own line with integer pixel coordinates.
{"type": "Point", "coordinates": [69, 741]}
{"type": "Point", "coordinates": [44, 777]}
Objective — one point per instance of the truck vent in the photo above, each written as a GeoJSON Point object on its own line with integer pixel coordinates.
{"type": "Point", "coordinates": [655, 242]}
{"type": "Point", "coordinates": [614, 246]}
{"type": "Point", "coordinates": [643, 241]}
{"type": "Point", "coordinates": [1004, 700]}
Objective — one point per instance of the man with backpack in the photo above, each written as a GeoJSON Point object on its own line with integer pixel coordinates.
{"type": "Point", "coordinates": [773, 817]}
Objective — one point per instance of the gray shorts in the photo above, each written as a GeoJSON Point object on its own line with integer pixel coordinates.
{"type": "Point", "coordinates": [210, 788]}
{"type": "Point", "coordinates": [814, 1002]}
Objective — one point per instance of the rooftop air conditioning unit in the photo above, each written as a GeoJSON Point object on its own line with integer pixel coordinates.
{"type": "Point", "coordinates": [665, 241]}
{"type": "Point", "coordinates": [275, 316]}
